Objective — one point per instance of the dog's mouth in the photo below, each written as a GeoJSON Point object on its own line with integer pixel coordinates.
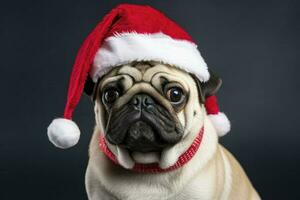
{"type": "Point", "coordinates": [167, 159]}
{"type": "Point", "coordinates": [143, 143]}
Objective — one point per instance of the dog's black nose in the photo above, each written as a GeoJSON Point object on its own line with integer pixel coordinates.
{"type": "Point", "coordinates": [140, 101]}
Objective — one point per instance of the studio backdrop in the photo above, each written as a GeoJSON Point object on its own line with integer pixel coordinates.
{"type": "Point", "coordinates": [253, 45]}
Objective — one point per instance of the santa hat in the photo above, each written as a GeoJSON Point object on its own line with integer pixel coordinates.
{"type": "Point", "coordinates": [131, 33]}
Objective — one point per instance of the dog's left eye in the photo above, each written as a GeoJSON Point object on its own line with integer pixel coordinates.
{"type": "Point", "coordinates": [175, 95]}
{"type": "Point", "coordinates": [110, 95]}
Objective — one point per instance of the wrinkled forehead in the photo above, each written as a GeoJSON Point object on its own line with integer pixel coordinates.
{"type": "Point", "coordinates": [148, 72]}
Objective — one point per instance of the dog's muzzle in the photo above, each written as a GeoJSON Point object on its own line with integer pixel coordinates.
{"type": "Point", "coordinates": [143, 125]}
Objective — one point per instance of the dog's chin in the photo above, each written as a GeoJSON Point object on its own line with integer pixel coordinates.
{"type": "Point", "coordinates": [127, 158]}
{"type": "Point", "coordinates": [165, 158]}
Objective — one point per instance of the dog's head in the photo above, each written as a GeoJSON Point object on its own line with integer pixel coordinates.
{"type": "Point", "coordinates": [144, 109]}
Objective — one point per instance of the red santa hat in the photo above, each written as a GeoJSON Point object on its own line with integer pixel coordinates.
{"type": "Point", "coordinates": [131, 33]}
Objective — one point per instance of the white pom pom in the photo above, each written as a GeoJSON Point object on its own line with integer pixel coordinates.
{"type": "Point", "coordinates": [63, 133]}
{"type": "Point", "coordinates": [221, 123]}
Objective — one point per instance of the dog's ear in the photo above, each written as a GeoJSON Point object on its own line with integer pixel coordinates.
{"type": "Point", "coordinates": [209, 87]}
{"type": "Point", "coordinates": [89, 87]}
{"type": "Point", "coordinates": [212, 86]}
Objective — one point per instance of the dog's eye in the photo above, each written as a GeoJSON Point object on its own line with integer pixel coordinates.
{"type": "Point", "coordinates": [110, 95]}
{"type": "Point", "coordinates": [175, 94]}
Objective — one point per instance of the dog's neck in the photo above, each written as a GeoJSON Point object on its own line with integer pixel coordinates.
{"type": "Point", "coordinates": [154, 168]}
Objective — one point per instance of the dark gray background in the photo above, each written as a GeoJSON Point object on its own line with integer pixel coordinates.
{"type": "Point", "coordinates": [253, 45]}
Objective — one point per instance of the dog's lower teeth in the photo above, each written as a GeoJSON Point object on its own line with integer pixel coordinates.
{"type": "Point", "coordinates": [145, 158]}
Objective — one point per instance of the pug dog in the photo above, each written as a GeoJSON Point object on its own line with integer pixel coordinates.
{"type": "Point", "coordinates": [149, 113]}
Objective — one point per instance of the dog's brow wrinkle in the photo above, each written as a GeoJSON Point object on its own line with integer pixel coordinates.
{"type": "Point", "coordinates": [131, 71]}
{"type": "Point", "coordinates": [150, 72]}
{"type": "Point", "coordinates": [110, 80]}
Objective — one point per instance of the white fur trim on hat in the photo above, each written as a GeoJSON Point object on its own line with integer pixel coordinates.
{"type": "Point", "coordinates": [220, 123]}
{"type": "Point", "coordinates": [63, 133]}
{"type": "Point", "coordinates": [124, 48]}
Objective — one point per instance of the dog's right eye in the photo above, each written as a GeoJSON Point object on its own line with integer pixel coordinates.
{"type": "Point", "coordinates": [110, 95]}
{"type": "Point", "coordinates": [175, 95]}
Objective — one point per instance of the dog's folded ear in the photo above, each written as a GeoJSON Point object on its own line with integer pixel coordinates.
{"type": "Point", "coordinates": [89, 87]}
{"type": "Point", "coordinates": [208, 88]}
{"type": "Point", "coordinates": [212, 86]}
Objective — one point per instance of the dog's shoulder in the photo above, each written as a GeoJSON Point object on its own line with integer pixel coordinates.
{"type": "Point", "coordinates": [240, 185]}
